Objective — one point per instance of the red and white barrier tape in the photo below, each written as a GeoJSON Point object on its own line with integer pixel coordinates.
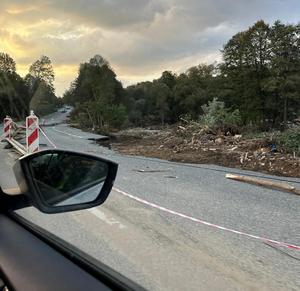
{"type": "Point", "coordinates": [18, 125]}
{"type": "Point", "coordinates": [263, 239]}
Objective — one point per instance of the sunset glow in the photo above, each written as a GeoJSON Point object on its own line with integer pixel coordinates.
{"type": "Point", "coordinates": [140, 38]}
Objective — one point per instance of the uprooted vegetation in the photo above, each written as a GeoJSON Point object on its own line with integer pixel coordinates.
{"type": "Point", "coordinates": [218, 139]}
{"type": "Point", "coordinates": [187, 143]}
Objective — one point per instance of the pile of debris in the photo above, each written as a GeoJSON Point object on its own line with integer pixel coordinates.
{"type": "Point", "coordinates": [197, 137]}
{"type": "Point", "coordinates": [193, 143]}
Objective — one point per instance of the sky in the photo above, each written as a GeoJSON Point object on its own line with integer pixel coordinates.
{"type": "Point", "coordinates": [139, 38]}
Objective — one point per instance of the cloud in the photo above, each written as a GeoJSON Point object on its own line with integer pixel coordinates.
{"type": "Point", "coordinates": [140, 38]}
{"type": "Point", "coordinates": [111, 13]}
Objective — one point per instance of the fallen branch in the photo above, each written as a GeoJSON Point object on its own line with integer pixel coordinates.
{"type": "Point", "coordinates": [181, 127]}
{"type": "Point", "coordinates": [265, 183]}
{"type": "Point", "coordinates": [189, 121]}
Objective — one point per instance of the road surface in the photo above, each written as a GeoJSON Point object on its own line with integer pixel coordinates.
{"type": "Point", "coordinates": [168, 250]}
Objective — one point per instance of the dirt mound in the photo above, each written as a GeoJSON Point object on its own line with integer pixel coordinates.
{"type": "Point", "coordinates": [192, 143]}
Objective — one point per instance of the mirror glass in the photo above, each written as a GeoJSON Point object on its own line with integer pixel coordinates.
{"type": "Point", "coordinates": [64, 178]}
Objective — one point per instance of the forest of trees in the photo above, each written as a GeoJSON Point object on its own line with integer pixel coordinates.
{"type": "Point", "coordinates": [34, 92]}
{"type": "Point", "coordinates": [259, 79]}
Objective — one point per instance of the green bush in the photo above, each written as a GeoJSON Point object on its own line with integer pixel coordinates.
{"type": "Point", "coordinates": [217, 116]}
{"type": "Point", "coordinates": [289, 140]}
{"type": "Point", "coordinates": [115, 115]}
{"type": "Point", "coordinates": [99, 115]}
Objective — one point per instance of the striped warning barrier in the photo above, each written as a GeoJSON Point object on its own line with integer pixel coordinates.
{"type": "Point", "coordinates": [7, 124]}
{"type": "Point", "coordinates": [14, 132]}
{"type": "Point", "coordinates": [32, 133]}
{"type": "Point", "coordinates": [10, 131]}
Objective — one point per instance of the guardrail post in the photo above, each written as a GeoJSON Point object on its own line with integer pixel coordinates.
{"type": "Point", "coordinates": [32, 133]}
{"type": "Point", "coordinates": [7, 124]}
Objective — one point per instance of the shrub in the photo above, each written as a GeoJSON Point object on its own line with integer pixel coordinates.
{"type": "Point", "coordinates": [115, 115]}
{"type": "Point", "coordinates": [289, 140]}
{"type": "Point", "coordinates": [216, 116]}
{"type": "Point", "coordinates": [99, 115]}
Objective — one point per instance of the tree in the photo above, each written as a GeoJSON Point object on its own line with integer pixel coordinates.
{"type": "Point", "coordinates": [39, 84]}
{"type": "Point", "coordinates": [68, 94]}
{"type": "Point", "coordinates": [141, 104]}
{"type": "Point", "coordinates": [161, 93]}
{"type": "Point", "coordinates": [246, 64]}
{"type": "Point", "coordinates": [14, 98]}
{"type": "Point", "coordinates": [193, 89]}
{"type": "Point", "coordinates": [43, 101]}
{"type": "Point", "coordinates": [7, 64]}
{"type": "Point", "coordinates": [42, 70]}
{"type": "Point", "coordinates": [168, 78]}
{"type": "Point", "coordinates": [97, 94]}
{"type": "Point", "coordinates": [96, 80]}
{"type": "Point", "coordinates": [31, 83]}
{"type": "Point", "coordinates": [98, 61]}
{"type": "Point", "coordinates": [284, 81]}
{"type": "Point", "coordinates": [184, 102]}
{"type": "Point", "coordinates": [261, 72]}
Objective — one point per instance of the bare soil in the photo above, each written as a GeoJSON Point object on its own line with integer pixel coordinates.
{"type": "Point", "coordinates": [190, 145]}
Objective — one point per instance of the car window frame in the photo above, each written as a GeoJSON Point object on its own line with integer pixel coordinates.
{"type": "Point", "coordinates": [94, 267]}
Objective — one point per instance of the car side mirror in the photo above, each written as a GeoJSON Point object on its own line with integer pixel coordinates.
{"type": "Point", "coordinates": [59, 181]}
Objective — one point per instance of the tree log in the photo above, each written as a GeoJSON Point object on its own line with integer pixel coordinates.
{"type": "Point", "coordinates": [265, 183]}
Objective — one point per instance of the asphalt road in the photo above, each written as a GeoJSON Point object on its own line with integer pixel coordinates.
{"type": "Point", "coordinates": [166, 251]}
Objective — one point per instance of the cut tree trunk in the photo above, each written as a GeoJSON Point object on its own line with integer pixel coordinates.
{"type": "Point", "coordinates": [265, 183]}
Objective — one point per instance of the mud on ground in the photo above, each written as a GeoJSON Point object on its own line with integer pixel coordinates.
{"type": "Point", "coordinates": [181, 144]}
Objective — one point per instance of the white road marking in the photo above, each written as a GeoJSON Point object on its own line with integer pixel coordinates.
{"type": "Point", "coordinates": [111, 221]}
{"type": "Point", "coordinates": [70, 134]}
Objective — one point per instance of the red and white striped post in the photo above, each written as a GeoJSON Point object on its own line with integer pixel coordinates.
{"type": "Point", "coordinates": [32, 133]}
{"type": "Point", "coordinates": [7, 127]}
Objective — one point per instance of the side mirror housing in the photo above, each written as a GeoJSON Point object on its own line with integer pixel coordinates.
{"type": "Point", "coordinates": [60, 181]}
